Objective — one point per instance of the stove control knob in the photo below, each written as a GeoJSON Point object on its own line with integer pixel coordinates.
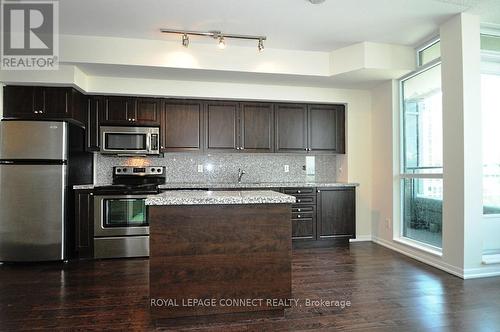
{"type": "Point", "coordinates": [124, 170]}
{"type": "Point", "coordinates": [118, 170]}
{"type": "Point", "coordinates": [153, 170]}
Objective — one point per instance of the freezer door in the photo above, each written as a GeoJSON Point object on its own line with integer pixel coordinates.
{"type": "Point", "coordinates": [32, 199]}
{"type": "Point", "coordinates": [33, 140]}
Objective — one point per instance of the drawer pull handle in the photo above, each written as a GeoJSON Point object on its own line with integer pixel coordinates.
{"type": "Point", "coordinates": [298, 210]}
{"type": "Point", "coordinates": [298, 200]}
{"type": "Point", "coordinates": [298, 216]}
{"type": "Point", "coordinates": [298, 191]}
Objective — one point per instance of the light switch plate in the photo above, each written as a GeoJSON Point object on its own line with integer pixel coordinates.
{"type": "Point", "coordinates": [200, 168]}
{"type": "Point", "coordinates": [287, 168]}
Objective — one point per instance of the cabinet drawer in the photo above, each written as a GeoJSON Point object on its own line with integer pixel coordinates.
{"type": "Point", "coordinates": [302, 215]}
{"type": "Point", "coordinates": [305, 200]}
{"type": "Point", "coordinates": [305, 208]}
{"type": "Point", "coordinates": [299, 191]}
{"type": "Point", "coordinates": [303, 228]}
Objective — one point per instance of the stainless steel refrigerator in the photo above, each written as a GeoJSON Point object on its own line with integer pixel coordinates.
{"type": "Point", "coordinates": [39, 162]}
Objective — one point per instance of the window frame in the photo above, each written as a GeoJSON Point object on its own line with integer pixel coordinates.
{"type": "Point", "coordinates": [422, 47]}
{"type": "Point", "coordinates": [399, 237]}
{"type": "Point", "coordinates": [490, 65]}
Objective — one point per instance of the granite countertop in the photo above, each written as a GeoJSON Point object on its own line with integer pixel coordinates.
{"type": "Point", "coordinates": [203, 197]}
{"type": "Point", "coordinates": [234, 185]}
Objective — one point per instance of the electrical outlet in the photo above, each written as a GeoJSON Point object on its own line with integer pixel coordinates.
{"type": "Point", "coordinates": [287, 168]}
{"type": "Point", "coordinates": [200, 168]}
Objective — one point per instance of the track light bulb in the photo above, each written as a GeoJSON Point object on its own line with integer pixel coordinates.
{"type": "Point", "coordinates": [261, 45]}
{"type": "Point", "coordinates": [222, 43]}
{"type": "Point", "coordinates": [185, 40]}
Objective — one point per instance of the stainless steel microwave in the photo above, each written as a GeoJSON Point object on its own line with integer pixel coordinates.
{"type": "Point", "coordinates": [130, 140]}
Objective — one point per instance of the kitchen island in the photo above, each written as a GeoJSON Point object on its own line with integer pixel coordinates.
{"type": "Point", "coordinates": [219, 254]}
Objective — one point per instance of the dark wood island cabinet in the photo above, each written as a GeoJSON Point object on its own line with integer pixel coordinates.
{"type": "Point", "coordinates": [218, 247]}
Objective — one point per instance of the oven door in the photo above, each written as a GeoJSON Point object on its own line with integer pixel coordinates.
{"type": "Point", "coordinates": [129, 140]}
{"type": "Point", "coordinates": [120, 215]}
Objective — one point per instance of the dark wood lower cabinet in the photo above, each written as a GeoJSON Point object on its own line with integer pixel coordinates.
{"type": "Point", "coordinates": [321, 217]}
{"type": "Point", "coordinates": [84, 225]}
{"type": "Point", "coordinates": [336, 213]}
{"type": "Point", "coordinates": [324, 217]}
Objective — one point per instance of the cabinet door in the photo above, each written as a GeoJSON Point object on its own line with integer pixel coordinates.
{"type": "Point", "coordinates": [18, 101]}
{"type": "Point", "coordinates": [256, 125]}
{"type": "Point", "coordinates": [148, 112]}
{"type": "Point", "coordinates": [291, 128]}
{"type": "Point", "coordinates": [94, 111]}
{"type": "Point", "coordinates": [56, 102]}
{"type": "Point", "coordinates": [181, 126]}
{"type": "Point", "coordinates": [326, 128]}
{"type": "Point", "coordinates": [221, 126]}
{"type": "Point", "coordinates": [336, 213]}
{"type": "Point", "coordinates": [78, 106]}
{"type": "Point", "coordinates": [119, 110]}
{"type": "Point", "coordinates": [84, 225]}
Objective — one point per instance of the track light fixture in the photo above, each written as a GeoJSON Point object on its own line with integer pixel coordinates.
{"type": "Point", "coordinates": [219, 36]}
{"type": "Point", "coordinates": [185, 40]}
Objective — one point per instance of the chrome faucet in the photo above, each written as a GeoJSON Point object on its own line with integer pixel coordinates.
{"type": "Point", "coordinates": [241, 172]}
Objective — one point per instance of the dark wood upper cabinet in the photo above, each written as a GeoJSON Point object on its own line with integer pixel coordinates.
{"type": "Point", "coordinates": [325, 128]}
{"type": "Point", "coordinates": [336, 215]}
{"type": "Point", "coordinates": [256, 127]}
{"type": "Point", "coordinates": [44, 103]}
{"type": "Point", "coordinates": [291, 127]}
{"type": "Point", "coordinates": [119, 110]}
{"type": "Point", "coordinates": [189, 125]}
{"type": "Point", "coordinates": [221, 123]}
{"type": "Point", "coordinates": [131, 111]}
{"type": "Point", "coordinates": [19, 101]}
{"type": "Point", "coordinates": [147, 111]}
{"type": "Point", "coordinates": [56, 101]}
{"type": "Point", "coordinates": [95, 110]}
{"type": "Point", "coordinates": [181, 126]}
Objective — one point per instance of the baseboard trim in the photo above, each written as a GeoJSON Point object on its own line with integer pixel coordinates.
{"type": "Point", "coordinates": [415, 254]}
{"type": "Point", "coordinates": [361, 238]}
{"type": "Point", "coordinates": [482, 272]}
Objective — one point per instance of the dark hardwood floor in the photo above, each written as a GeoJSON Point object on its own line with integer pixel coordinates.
{"type": "Point", "coordinates": [388, 292]}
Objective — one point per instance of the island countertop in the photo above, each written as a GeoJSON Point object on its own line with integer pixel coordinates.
{"type": "Point", "coordinates": [204, 197]}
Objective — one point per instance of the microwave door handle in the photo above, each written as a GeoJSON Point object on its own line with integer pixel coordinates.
{"type": "Point", "coordinates": [148, 142]}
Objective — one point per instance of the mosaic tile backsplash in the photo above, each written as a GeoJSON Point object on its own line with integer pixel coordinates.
{"type": "Point", "coordinates": [223, 167]}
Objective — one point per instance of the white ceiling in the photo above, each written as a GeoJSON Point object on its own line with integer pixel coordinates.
{"type": "Point", "coordinates": [288, 24]}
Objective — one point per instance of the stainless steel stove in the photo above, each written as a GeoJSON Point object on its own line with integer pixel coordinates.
{"type": "Point", "coordinates": [121, 226]}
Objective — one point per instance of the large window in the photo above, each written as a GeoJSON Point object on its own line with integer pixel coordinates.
{"type": "Point", "coordinates": [422, 156]}
{"type": "Point", "coordinates": [490, 104]}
